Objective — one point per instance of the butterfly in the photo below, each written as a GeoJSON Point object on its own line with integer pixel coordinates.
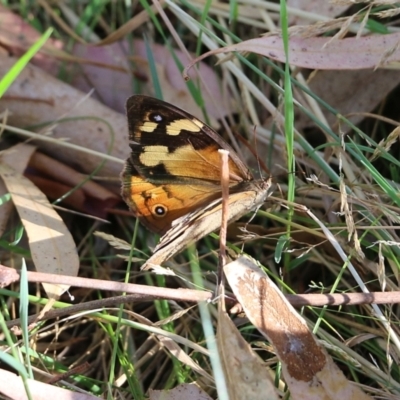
{"type": "Point", "coordinates": [172, 178]}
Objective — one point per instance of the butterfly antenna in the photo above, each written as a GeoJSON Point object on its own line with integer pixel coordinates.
{"type": "Point", "coordinates": [256, 149]}
{"type": "Point", "coordinates": [261, 164]}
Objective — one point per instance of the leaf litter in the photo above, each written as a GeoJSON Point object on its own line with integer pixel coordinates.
{"type": "Point", "coordinates": [363, 51]}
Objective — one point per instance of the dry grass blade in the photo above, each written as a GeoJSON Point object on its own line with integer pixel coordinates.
{"type": "Point", "coordinates": [183, 357]}
{"type": "Point", "coordinates": [128, 27]}
{"type": "Point", "coordinates": [52, 247]}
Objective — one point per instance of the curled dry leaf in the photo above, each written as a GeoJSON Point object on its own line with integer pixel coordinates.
{"type": "Point", "coordinates": [55, 179]}
{"type": "Point", "coordinates": [245, 373]}
{"type": "Point", "coordinates": [37, 98]}
{"type": "Point", "coordinates": [309, 371]}
{"type": "Point", "coordinates": [52, 247]}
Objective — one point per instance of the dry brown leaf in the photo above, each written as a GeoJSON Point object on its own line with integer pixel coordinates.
{"type": "Point", "coordinates": [77, 199]}
{"type": "Point", "coordinates": [17, 35]}
{"type": "Point", "coordinates": [107, 68]}
{"type": "Point", "coordinates": [316, 7]}
{"type": "Point", "coordinates": [53, 168]}
{"type": "Point", "coordinates": [185, 391]}
{"type": "Point", "coordinates": [52, 247]}
{"type": "Point", "coordinates": [309, 371]}
{"type": "Point", "coordinates": [351, 92]}
{"type": "Point", "coordinates": [245, 373]}
{"type": "Point", "coordinates": [112, 77]}
{"type": "Point", "coordinates": [37, 98]}
{"type": "Point", "coordinates": [55, 179]}
{"type": "Point", "coordinates": [366, 52]}
{"type": "Point", "coordinates": [5, 208]}
{"type": "Point", "coordinates": [19, 164]}
{"type": "Point", "coordinates": [13, 387]}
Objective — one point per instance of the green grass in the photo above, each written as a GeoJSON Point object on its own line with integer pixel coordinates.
{"type": "Point", "coordinates": [7, 80]}
{"type": "Point", "coordinates": [122, 344]}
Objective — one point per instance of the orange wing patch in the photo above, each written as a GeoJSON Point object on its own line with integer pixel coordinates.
{"type": "Point", "coordinates": [185, 161]}
{"type": "Point", "coordinates": [158, 206]}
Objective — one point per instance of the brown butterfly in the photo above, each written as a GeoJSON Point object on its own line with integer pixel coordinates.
{"type": "Point", "coordinates": [172, 179]}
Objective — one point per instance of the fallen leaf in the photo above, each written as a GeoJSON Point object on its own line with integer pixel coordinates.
{"type": "Point", "coordinates": [55, 179]}
{"type": "Point", "coordinates": [13, 387]}
{"type": "Point", "coordinates": [327, 9]}
{"type": "Point", "coordinates": [185, 391]}
{"type": "Point", "coordinates": [322, 52]}
{"type": "Point", "coordinates": [18, 36]}
{"type": "Point", "coordinates": [308, 370]}
{"type": "Point", "coordinates": [37, 98]}
{"type": "Point", "coordinates": [350, 92]}
{"type": "Point", "coordinates": [110, 73]}
{"type": "Point", "coordinates": [107, 68]}
{"type": "Point", "coordinates": [245, 373]}
{"type": "Point", "coordinates": [19, 164]}
{"type": "Point", "coordinates": [52, 247]}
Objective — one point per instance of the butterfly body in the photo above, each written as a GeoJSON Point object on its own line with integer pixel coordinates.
{"type": "Point", "coordinates": [174, 170]}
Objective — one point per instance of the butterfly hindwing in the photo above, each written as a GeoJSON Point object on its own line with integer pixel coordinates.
{"type": "Point", "coordinates": [158, 206]}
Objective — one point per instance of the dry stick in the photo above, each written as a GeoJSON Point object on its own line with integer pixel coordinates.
{"type": "Point", "coordinates": [296, 300]}
{"type": "Point", "coordinates": [79, 369]}
{"type": "Point", "coordinates": [10, 275]}
{"type": "Point", "coordinates": [149, 293]}
{"type": "Point", "coordinates": [224, 221]}
{"type": "Point", "coordinates": [93, 305]}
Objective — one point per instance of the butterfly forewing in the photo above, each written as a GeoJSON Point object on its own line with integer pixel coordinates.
{"type": "Point", "coordinates": [169, 144]}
